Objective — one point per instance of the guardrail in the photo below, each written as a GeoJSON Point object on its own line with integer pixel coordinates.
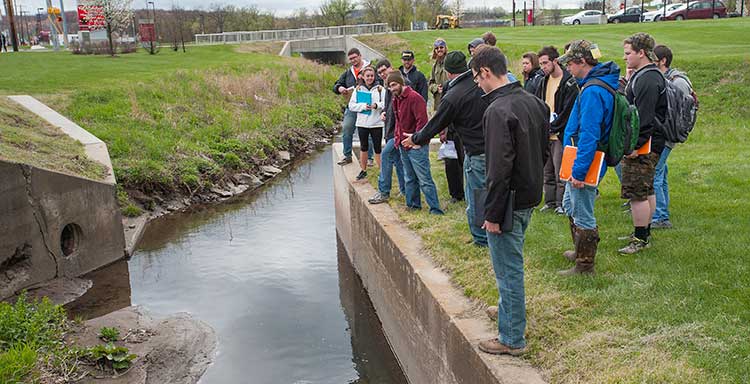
{"type": "Point", "coordinates": [289, 34]}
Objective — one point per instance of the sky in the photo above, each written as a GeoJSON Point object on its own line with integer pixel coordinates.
{"type": "Point", "coordinates": [278, 7]}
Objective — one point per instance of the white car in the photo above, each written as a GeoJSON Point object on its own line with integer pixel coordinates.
{"type": "Point", "coordinates": [584, 17]}
{"type": "Point", "coordinates": [657, 14]}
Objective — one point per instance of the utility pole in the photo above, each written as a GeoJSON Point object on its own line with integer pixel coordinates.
{"type": "Point", "coordinates": [640, 18]}
{"type": "Point", "coordinates": [514, 13]}
{"type": "Point", "coordinates": [533, 12]}
{"type": "Point", "coordinates": [11, 20]}
{"type": "Point", "coordinates": [525, 13]}
{"type": "Point", "coordinates": [52, 27]}
{"type": "Point", "coordinates": [64, 23]}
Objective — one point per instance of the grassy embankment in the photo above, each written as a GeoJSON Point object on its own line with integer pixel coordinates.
{"type": "Point", "coordinates": [181, 122]}
{"type": "Point", "coordinates": [25, 138]}
{"type": "Point", "coordinates": [678, 312]}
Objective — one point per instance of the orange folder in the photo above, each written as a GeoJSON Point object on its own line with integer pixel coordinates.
{"type": "Point", "coordinates": [592, 176]}
{"type": "Point", "coordinates": [645, 149]}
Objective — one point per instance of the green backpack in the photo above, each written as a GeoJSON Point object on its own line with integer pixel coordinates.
{"type": "Point", "coordinates": [623, 135]}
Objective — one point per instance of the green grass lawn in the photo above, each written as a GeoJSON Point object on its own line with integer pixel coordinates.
{"type": "Point", "coordinates": [678, 312]}
{"type": "Point", "coordinates": [180, 122]}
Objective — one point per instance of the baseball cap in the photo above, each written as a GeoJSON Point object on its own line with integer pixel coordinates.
{"type": "Point", "coordinates": [407, 55]}
{"type": "Point", "coordinates": [580, 49]}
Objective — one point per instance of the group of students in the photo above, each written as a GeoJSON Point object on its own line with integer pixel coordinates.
{"type": "Point", "coordinates": [510, 140]}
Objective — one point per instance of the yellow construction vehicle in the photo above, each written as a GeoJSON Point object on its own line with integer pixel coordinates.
{"type": "Point", "coordinates": [446, 22]}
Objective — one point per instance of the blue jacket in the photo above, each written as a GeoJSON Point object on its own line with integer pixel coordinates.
{"type": "Point", "coordinates": [594, 105]}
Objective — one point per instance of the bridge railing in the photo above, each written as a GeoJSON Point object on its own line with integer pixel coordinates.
{"type": "Point", "coordinates": [289, 34]}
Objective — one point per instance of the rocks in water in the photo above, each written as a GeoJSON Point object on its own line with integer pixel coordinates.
{"type": "Point", "coordinates": [246, 178]}
{"type": "Point", "coordinates": [270, 170]}
{"type": "Point", "coordinates": [285, 156]}
{"type": "Point", "coordinates": [221, 192]}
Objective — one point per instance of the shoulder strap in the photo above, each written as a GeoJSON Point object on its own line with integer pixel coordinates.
{"type": "Point", "coordinates": [603, 126]}
{"type": "Point", "coordinates": [600, 83]}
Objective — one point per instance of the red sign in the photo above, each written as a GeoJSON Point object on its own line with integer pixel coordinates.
{"type": "Point", "coordinates": [90, 18]}
{"type": "Point", "coordinates": [147, 32]}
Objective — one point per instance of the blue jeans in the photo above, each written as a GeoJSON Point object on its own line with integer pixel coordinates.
{"type": "Point", "coordinates": [618, 171]}
{"type": "Point", "coordinates": [347, 132]}
{"type": "Point", "coordinates": [390, 157]}
{"type": "Point", "coordinates": [506, 251]}
{"type": "Point", "coordinates": [661, 188]}
{"type": "Point", "coordinates": [578, 203]}
{"type": "Point", "coordinates": [417, 176]}
{"type": "Point", "coordinates": [474, 178]}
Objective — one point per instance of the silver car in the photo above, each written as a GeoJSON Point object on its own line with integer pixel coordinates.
{"type": "Point", "coordinates": [657, 14]}
{"type": "Point", "coordinates": [585, 17]}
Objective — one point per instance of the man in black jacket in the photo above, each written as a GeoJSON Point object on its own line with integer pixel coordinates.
{"type": "Point", "coordinates": [645, 89]}
{"type": "Point", "coordinates": [344, 86]}
{"type": "Point", "coordinates": [463, 107]}
{"type": "Point", "coordinates": [516, 131]}
{"type": "Point", "coordinates": [558, 90]}
{"type": "Point", "coordinates": [409, 72]}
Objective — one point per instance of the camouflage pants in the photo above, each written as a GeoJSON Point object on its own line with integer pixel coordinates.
{"type": "Point", "coordinates": [638, 176]}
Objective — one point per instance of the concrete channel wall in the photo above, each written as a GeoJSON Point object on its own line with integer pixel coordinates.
{"type": "Point", "coordinates": [431, 326]}
{"type": "Point", "coordinates": [56, 225]}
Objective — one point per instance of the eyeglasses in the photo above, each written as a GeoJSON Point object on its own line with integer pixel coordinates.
{"type": "Point", "coordinates": [476, 80]}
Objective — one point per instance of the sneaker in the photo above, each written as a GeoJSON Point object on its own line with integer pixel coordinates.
{"type": "Point", "coordinates": [547, 207]}
{"type": "Point", "coordinates": [495, 347]}
{"type": "Point", "coordinates": [378, 198]}
{"type": "Point", "coordinates": [635, 246]}
{"type": "Point", "coordinates": [661, 224]}
{"type": "Point", "coordinates": [362, 175]}
{"type": "Point", "coordinates": [491, 312]}
{"type": "Point", "coordinates": [559, 211]}
{"type": "Point", "coordinates": [345, 161]}
{"type": "Point", "coordinates": [370, 163]}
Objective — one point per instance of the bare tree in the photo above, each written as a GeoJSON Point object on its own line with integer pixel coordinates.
{"type": "Point", "coordinates": [336, 11]}
{"type": "Point", "coordinates": [373, 9]}
{"type": "Point", "coordinates": [457, 8]}
{"type": "Point", "coordinates": [117, 15]}
{"type": "Point", "coordinates": [397, 13]}
{"type": "Point", "coordinates": [219, 13]}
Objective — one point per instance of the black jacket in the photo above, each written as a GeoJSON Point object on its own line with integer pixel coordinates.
{"type": "Point", "coordinates": [565, 98]}
{"type": "Point", "coordinates": [417, 79]}
{"type": "Point", "coordinates": [646, 90]}
{"type": "Point", "coordinates": [532, 84]}
{"type": "Point", "coordinates": [462, 105]}
{"type": "Point", "coordinates": [516, 126]}
{"type": "Point", "coordinates": [347, 79]}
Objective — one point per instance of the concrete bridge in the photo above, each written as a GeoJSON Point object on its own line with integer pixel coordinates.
{"type": "Point", "coordinates": [326, 44]}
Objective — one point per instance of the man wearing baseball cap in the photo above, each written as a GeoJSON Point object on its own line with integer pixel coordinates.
{"type": "Point", "coordinates": [462, 107]}
{"type": "Point", "coordinates": [645, 90]}
{"type": "Point", "coordinates": [589, 123]}
{"type": "Point", "coordinates": [409, 72]}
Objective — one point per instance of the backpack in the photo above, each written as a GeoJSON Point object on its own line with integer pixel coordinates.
{"type": "Point", "coordinates": [682, 108]}
{"type": "Point", "coordinates": [623, 135]}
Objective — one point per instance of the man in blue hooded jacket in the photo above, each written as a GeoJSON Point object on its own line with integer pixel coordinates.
{"type": "Point", "coordinates": [589, 123]}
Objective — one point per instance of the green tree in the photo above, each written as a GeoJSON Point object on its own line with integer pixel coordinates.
{"type": "Point", "coordinates": [335, 12]}
{"type": "Point", "coordinates": [398, 14]}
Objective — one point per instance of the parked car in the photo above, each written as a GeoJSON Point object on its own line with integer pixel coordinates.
{"type": "Point", "coordinates": [705, 9]}
{"type": "Point", "coordinates": [657, 14]}
{"type": "Point", "coordinates": [584, 17]}
{"type": "Point", "coordinates": [630, 15]}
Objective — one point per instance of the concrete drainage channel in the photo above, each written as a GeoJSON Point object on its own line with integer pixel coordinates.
{"type": "Point", "coordinates": [432, 327]}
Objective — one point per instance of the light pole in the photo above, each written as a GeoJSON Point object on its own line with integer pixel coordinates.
{"type": "Point", "coordinates": [64, 23]}
{"type": "Point", "coordinates": [153, 8]}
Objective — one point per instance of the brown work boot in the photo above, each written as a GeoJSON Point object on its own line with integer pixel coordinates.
{"type": "Point", "coordinates": [495, 347]}
{"type": "Point", "coordinates": [491, 312]}
{"type": "Point", "coordinates": [571, 255]}
{"type": "Point", "coordinates": [586, 244]}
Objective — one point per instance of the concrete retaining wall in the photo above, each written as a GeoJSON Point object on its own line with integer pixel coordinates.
{"type": "Point", "coordinates": [56, 225]}
{"type": "Point", "coordinates": [431, 326]}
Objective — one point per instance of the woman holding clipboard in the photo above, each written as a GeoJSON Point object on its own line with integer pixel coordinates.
{"type": "Point", "coordinates": [368, 100]}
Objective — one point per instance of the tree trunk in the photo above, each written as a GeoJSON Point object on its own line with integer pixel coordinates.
{"type": "Point", "coordinates": [109, 38]}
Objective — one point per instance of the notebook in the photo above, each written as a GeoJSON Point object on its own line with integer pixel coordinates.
{"type": "Point", "coordinates": [592, 176]}
{"type": "Point", "coordinates": [480, 197]}
{"type": "Point", "coordinates": [364, 97]}
{"type": "Point", "coordinates": [645, 149]}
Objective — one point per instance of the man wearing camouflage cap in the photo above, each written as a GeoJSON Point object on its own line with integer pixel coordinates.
{"type": "Point", "coordinates": [589, 123]}
{"type": "Point", "coordinates": [645, 89]}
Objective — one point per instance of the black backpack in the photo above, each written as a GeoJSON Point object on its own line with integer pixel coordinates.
{"type": "Point", "coordinates": [682, 108]}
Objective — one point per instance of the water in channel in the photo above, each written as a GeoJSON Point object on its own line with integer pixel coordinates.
{"type": "Point", "coordinates": [268, 274]}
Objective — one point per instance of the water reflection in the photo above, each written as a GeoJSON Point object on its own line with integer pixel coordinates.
{"type": "Point", "coordinates": [262, 272]}
{"type": "Point", "coordinates": [110, 291]}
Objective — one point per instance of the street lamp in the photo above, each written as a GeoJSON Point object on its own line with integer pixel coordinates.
{"type": "Point", "coordinates": [153, 8]}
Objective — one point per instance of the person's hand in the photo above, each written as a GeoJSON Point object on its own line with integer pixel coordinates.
{"type": "Point", "coordinates": [578, 184]}
{"type": "Point", "coordinates": [369, 107]}
{"type": "Point", "coordinates": [407, 142]}
{"type": "Point", "coordinates": [382, 116]}
{"type": "Point", "coordinates": [440, 88]}
{"type": "Point", "coordinates": [343, 90]}
{"type": "Point", "coordinates": [443, 136]}
{"type": "Point", "coordinates": [632, 155]}
{"type": "Point", "coordinates": [491, 227]}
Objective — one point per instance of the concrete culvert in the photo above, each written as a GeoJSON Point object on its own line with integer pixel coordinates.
{"type": "Point", "coordinates": [70, 239]}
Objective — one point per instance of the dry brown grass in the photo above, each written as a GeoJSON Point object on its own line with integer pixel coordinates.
{"type": "Point", "coordinates": [385, 43]}
{"type": "Point", "coordinates": [269, 47]}
{"type": "Point", "coordinates": [257, 91]}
